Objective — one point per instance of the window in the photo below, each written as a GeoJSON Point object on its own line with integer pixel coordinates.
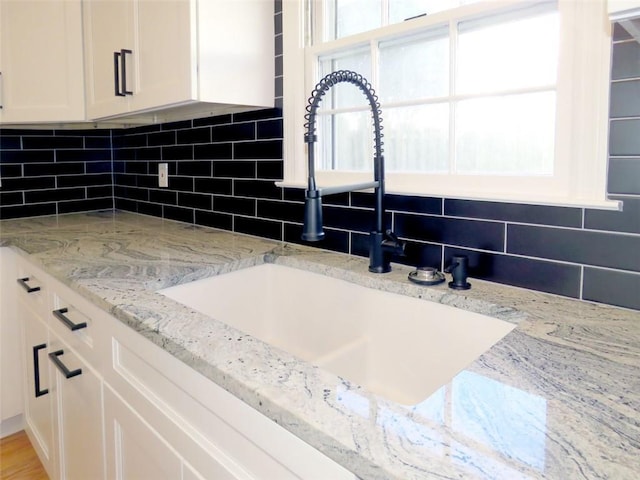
{"type": "Point", "coordinates": [494, 100]}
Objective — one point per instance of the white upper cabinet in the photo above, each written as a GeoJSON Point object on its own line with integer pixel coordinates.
{"type": "Point", "coordinates": [172, 58]}
{"type": "Point", "coordinates": [41, 61]}
{"type": "Point", "coordinates": [108, 30]}
{"type": "Point", "coordinates": [623, 9]}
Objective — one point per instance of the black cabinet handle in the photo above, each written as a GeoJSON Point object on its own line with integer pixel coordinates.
{"type": "Point", "coordinates": [123, 59]}
{"type": "Point", "coordinates": [60, 315]}
{"type": "Point", "coordinates": [116, 74]}
{"type": "Point", "coordinates": [29, 289]}
{"type": "Point", "coordinates": [36, 370]}
{"type": "Point", "coordinates": [61, 366]}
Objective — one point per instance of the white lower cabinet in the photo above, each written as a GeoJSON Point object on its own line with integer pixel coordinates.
{"type": "Point", "coordinates": [188, 473]}
{"type": "Point", "coordinates": [217, 436]}
{"type": "Point", "coordinates": [78, 415]}
{"type": "Point", "coordinates": [37, 391]}
{"type": "Point", "coordinates": [103, 402]}
{"type": "Point", "coordinates": [134, 449]}
{"type": "Point", "coordinates": [11, 363]}
{"type": "Point", "coordinates": [63, 394]}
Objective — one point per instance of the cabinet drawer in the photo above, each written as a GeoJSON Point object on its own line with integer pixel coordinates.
{"type": "Point", "coordinates": [72, 325]}
{"type": "Point", "coordinates": [70, 316]}
{"type": "Point", "coordinates": [32, 290]}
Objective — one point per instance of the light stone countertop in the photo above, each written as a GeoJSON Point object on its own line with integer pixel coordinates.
{"type": "Point", "coordinates": [557, 398]}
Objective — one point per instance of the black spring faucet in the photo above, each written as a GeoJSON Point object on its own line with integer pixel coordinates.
{"type": "Point", "coordinates": [383, 243]}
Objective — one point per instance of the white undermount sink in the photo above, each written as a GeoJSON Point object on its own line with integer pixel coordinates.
{"type": "Point", "coordinates": [399, 347]}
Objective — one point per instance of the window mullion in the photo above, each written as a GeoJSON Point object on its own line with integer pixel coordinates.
{"type": "Point", "coordinates": [384, 4]}
{"type": "Point", "coordinates": [453, 44]}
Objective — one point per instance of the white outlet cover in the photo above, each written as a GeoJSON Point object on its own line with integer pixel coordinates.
{"type": "Point", "coordinates": [163, 175]}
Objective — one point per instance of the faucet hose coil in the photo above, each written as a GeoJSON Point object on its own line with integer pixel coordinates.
{"type": "Point", "coordinates": [324, 85]}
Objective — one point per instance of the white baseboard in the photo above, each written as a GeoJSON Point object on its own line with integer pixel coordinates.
{"type": "Point", "coordinates": [11, 425]}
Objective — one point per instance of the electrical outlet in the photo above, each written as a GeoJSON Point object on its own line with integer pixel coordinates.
{"type": "Point", "coordinates": [163, 175]}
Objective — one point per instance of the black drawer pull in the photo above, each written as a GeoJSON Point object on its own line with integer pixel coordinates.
{"type": "Point", "coordinates": [60, 315]}
{"type": "Point", "coordinates": [116, 73]}
{"type": "Point", "coordinates": [123, 62]}
{"type": "Point", "coordinates": [36, 370]}
{"type": "Point", "coordinates": [29, 289]}
{"type": "Point", "coordinates": [62, 367]}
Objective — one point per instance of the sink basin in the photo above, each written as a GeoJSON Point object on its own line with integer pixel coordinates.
{"type": "Point", "coordinates": [399, 347]}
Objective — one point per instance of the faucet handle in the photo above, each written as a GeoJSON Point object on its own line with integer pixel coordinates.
{"type": "Point", "coordinates": [391, 236]}
{"type": "Point", "coordinates": [393, 243]}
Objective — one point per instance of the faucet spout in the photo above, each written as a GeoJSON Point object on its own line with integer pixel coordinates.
{"type": "Point", "coordinates": [312, 231]}
{"type": "Point", "coordinates": [383, 244]}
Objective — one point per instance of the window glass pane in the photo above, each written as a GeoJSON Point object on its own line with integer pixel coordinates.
{"type": "Point", "coordinates": [414, 68]}
{"type": "Point", "coordinates": [345, 95]}
{"type": "Point", "coordinates": [511, 135]}
{"type": "Point", "coordinates": [404, 9]}
{"type": "Point", "coordinates": [345, 142]}
{"type": "Point", "coordinates": [514, 53]}
{"type": "Point", "coordinates": [416, 138]}
{"type": "Point", "coordinates": [348, 17]}
{"type": "Point", "coordinates": [400, 10]}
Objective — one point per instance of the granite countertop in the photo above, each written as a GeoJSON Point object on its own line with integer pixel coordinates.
{"type": "Point", "coordinates": [557, 398]}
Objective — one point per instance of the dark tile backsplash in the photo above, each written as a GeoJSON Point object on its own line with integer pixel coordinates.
{"type": "Point", "coordinates": [623, 137]}
{"type": "Point", "coordinates": [451, 231]}
{"type": "Point", "coordinates": [585, 247]}
{"type": "Point", "coordinates": [222, 171]}
{"type": "Point", "coordinates": [625, 99]}
{"type": "Point", "coordinates": [509, 212]}
{"type": "Point", "coordinates": [536, 274]}
{"type": "Point", "coordinates": [47, 172]}
{"type": "Point", "coordinates": [625, 61]}
{"type": "Point", "coordinates": [611, 286]}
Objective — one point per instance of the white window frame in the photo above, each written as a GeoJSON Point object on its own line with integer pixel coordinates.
{"type": "Point", "coordinates": [582, 112]}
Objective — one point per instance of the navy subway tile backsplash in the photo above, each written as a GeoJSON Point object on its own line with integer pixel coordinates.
{"type": "Point", "coordinates": [610, 286]}
{"type": "Point", "coordinates": [222, 171]}
{"type": "Point", "coordinates": [47, 172]}
{"type": "Point", "coordinates": [536, 274]}
{"type": "Point", "coordinates": [478, 234]}
{"type": "Point", "coordinates": [627, 221]}
{"type": "Point", "coordinates": [585, 247]}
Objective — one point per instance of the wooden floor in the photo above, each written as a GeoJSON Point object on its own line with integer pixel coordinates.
{"type": "Point", "coordinates": [18, 459]}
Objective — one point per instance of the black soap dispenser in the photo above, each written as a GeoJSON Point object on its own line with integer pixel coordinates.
{"type": "Point", "coordinates": [459, 269]}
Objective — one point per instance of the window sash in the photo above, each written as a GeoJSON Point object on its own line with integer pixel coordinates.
{"type": "Point", "coordinates": [582, 111]}
{"type": "Point", "coordinates": [444, 152]}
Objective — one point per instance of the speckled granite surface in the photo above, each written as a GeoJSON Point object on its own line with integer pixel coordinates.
{"type": "Point", "coordinates": [557, 398]}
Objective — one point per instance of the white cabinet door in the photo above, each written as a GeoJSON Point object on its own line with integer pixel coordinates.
{"type": "Point", "coordinates": [41, 61]}
{"type": "Point", "coordinates": [181, 57]}
{"type": "Point", "coordinates": [138, 54]}
{"type": "Point", "coordinates": [188, 473]}
{"type": "Point", "coordinates": [38, 408]}
{"type": "Point", "coordinates": [164, 65]}
{"type": "Point", "coordinates": [10, 350]}
{"type": "Point", "coordinates": [78, 406]}
{"type": "Point", "coordinates": [108, 36]}
{"type": "Point", "coordinates": [134, 450]}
